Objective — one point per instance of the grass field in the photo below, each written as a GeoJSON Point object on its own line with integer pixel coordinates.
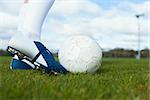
{"type": "Point", "coordinates": [117, 79]}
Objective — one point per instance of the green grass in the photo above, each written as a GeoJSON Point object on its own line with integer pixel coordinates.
{"type": "Point", "coordinates": [116, 79]}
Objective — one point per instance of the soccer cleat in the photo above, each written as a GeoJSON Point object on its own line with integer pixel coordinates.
{"type": "Point", "coordinates": [49, 58]}
{"type": "Point", "coordinates": [22, 61]}
{"type": "Point", "coordinates": [34, 54]}
{"type": "Point", "coordinates": [20, 64]}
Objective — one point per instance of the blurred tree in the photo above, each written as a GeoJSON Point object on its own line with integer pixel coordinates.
{"type": "Point", "coordinates": [145, 53]}
{"type": "Point", "coordinates": [4, 53]}
{"type": "Point", "coordinates": [120, 52]}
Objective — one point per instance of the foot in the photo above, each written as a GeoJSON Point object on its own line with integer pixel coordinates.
{"type": "Point", "coordinates": [16, 63]}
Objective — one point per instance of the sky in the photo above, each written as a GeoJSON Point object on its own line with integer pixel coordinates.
{"type": "Point", "coordinates": [112, 23]}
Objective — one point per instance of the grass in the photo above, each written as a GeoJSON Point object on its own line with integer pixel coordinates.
{"type": "Point", "coordinates": [116, 79]}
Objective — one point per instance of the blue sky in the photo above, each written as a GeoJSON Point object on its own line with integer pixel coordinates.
{"type": "Point", "coordinates": [111, 22]}
{"type": "Point", "coordinates": [107, 4]}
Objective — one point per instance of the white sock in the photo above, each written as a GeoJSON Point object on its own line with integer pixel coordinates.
{"type": "Point", "coordinates": [32, 16]}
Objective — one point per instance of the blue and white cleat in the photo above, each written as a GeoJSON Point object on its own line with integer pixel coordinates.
{"type": "Point", "coordinates": [30, 54]}
{"type": "Point", "coordinates": [52, 64]}
{"type": "Point", "coordinates": [17, 64]}
{"type": "Point", "coordinates": [22, 61]}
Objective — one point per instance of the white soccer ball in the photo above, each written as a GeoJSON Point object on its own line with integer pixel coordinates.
{"type": "Point", "coordinates": [80, 53]}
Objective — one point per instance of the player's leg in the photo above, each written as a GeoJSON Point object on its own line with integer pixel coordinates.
{"type": "Point", "coordinates": [32, 16]}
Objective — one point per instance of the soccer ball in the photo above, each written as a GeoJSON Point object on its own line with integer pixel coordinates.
{"type": "Point", "coordinates": [80, 53]}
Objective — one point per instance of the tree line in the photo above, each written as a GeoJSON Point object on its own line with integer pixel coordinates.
{"type": "Point", "coordinates": [4, 53]}
{"type": "Point", "coordinates": [117, 52]}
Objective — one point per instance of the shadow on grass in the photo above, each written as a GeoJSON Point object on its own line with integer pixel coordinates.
{"type": "Point", "coordinates": [102, 70]}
